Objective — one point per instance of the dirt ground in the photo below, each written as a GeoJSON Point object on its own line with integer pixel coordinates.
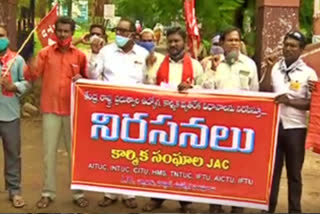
{"type": "Point", "coordinates": [32, 173]}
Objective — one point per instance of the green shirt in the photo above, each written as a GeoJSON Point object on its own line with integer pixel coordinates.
{"type": "Point", "coordinates": [10, 106]}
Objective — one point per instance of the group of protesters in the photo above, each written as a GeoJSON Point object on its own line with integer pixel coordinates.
{"type": "Point", "coordinates": [129, 61]}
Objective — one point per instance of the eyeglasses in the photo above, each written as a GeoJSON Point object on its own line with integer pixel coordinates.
{"type": "Point", "coordinates": [122, 30]}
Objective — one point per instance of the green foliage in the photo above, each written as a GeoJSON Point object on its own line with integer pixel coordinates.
{"type": "Point", "coordinates": [306, 20]}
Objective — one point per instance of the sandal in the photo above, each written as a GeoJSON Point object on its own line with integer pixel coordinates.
{"type": "Point", "coordinates": [44, 202]}
{"type": "Point", "coordinates": [17, 201]}
{"type": "Point", "coordinates": [81, 202]}
{"type": "Point", "coordinates": [215, 208]}
{"type": "Point", "coordinates": [130, 203]}
{"type": "Point", "coordinates": [106, 202]}
{"type": "Point", "coordinates": [186, 208]}
{"type": "Point", "coordinates": [151, 205]}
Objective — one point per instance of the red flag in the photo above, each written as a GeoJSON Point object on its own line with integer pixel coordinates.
{"type": "Point", "coordinates": [192, 27]}
{"type": "Point", "coordinates": [45, 29]}
{"type": "Point", "coordinates": [313, 138]}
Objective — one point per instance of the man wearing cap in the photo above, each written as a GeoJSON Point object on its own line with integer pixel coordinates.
{"type": "Point", "coordinates": [289, 77]}
{"type": "Point", "coordinates": [154, 60]}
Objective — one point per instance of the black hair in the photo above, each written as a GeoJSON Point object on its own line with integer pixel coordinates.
{"type": "Point", "coordinates": [177, 30]}
{"type": "Point", "coordinates": [98, 26]}
{"type": "Point", "coordinates": [298, 36]}
{"type": "Point", "coordinates": [132, 24]}
{"type": "Point", "coordinates": [228, 31]}
{"type": "Point", "coordinates": [66, 20]}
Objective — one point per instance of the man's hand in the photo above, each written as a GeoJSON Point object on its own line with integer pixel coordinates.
{"type": "Point", "coordinates": [76, 77]}
{"type": "Point", "coordinates": [85, 39]}
{"type": "Point", "coordinates": [215, 61]}
{"type": "Point", "coordinates": [282, 99]}
{"type": "Point", "coordinates": [312, 86]}
{"type": "Point", "coordinates": [8, 86]}
{"type": "Point", "coordinates": [151, 59]}
{"type": "Point", "coordinates": [96, 45]}
{"type": "Point", "coordinates": [205, 62]}
{"type": "Point", "coordinates": [184, 86]}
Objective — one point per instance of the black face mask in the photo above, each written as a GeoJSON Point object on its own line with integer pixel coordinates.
{"type": "Point", "coordinates": [176, 57]}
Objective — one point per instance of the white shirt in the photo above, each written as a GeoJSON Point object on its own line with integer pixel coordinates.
{"type": "Point", "coordinates": [242, 75]}
{"type": "Point", "coordinates": [176, 71]}
{"type": "Point", "coordinates": [296, 87]}
{"type": "Point", "coordinates": [119, 67]}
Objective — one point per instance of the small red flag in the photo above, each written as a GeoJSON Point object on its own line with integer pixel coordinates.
{"type": "Point", "coordinates": [192, 27]}
{"type": "Point", "coordinates": [45, 29]}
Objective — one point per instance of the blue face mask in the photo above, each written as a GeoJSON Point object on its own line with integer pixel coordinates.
{"type": "Point", "coordinates": [149, 46]}
{"type": "Point", "coordinates": [121, 41]}
{"type": "Point", "coordinates": [4, 43]}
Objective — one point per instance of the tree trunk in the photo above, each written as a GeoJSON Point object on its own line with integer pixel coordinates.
{"type": "Point", "coordinates": [69, 5]}
{"type": "Point", "coordinates": [42, 8]}
{"type": "Point", "coordinates": [49, 4]}
{"type": "Point", "coordinates": [316, 19]}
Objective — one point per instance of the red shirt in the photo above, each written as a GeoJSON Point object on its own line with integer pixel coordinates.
{"type": "Point", "coordinates": [57, 70]}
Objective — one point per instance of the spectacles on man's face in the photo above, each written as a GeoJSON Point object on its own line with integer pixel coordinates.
{"type": "Point", "coordinates": [122, 30]}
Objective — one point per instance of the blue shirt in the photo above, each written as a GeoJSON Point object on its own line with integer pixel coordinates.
{"type": "Point", "coordinates": [10, 106]}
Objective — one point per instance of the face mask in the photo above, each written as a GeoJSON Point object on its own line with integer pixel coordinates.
{"type": "Point", "coordinates": [149, 46]}
{"type": "Point", "coordinates": [65, 43]}
{"type": "Point", "coordinates": [4, 43]}
{"type": "Point", "coordinates": [232, 57]}
{"type": "Point", "coordinates": [121, 41]}
{"type": "Point", "coordinates": [177, 56]}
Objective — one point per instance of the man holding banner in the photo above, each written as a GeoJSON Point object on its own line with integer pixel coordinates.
{"type": "Point", "coordinates": [178, 70]}
{"type": "Point", "coordinates": [290, 77]}
{"type": "Point", "coordinates": [122, 62]}
{"type": "Point", "coordinates": [58, 65]}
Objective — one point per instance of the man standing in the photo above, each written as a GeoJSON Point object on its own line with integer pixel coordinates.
{"type": "Point", "coordinates": [59, 65]}
{"type": "Point", "coordinates": [290, 77]}
{"type": "Point", "coordinates": [12, 85]}
{"type": "Point", "coordinates": [96, 38]}
{"type": "Point", "coordinates": [154, 60]}
{"type": "Point", "coordinates": [178, 69]}
{"type": "Point", "coordinates": [235, 72]}
{"type": "Point", "coordinates": [122, 62]}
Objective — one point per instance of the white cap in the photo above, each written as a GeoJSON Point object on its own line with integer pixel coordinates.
{"type": "Point", "coordinates": [147, 30]}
